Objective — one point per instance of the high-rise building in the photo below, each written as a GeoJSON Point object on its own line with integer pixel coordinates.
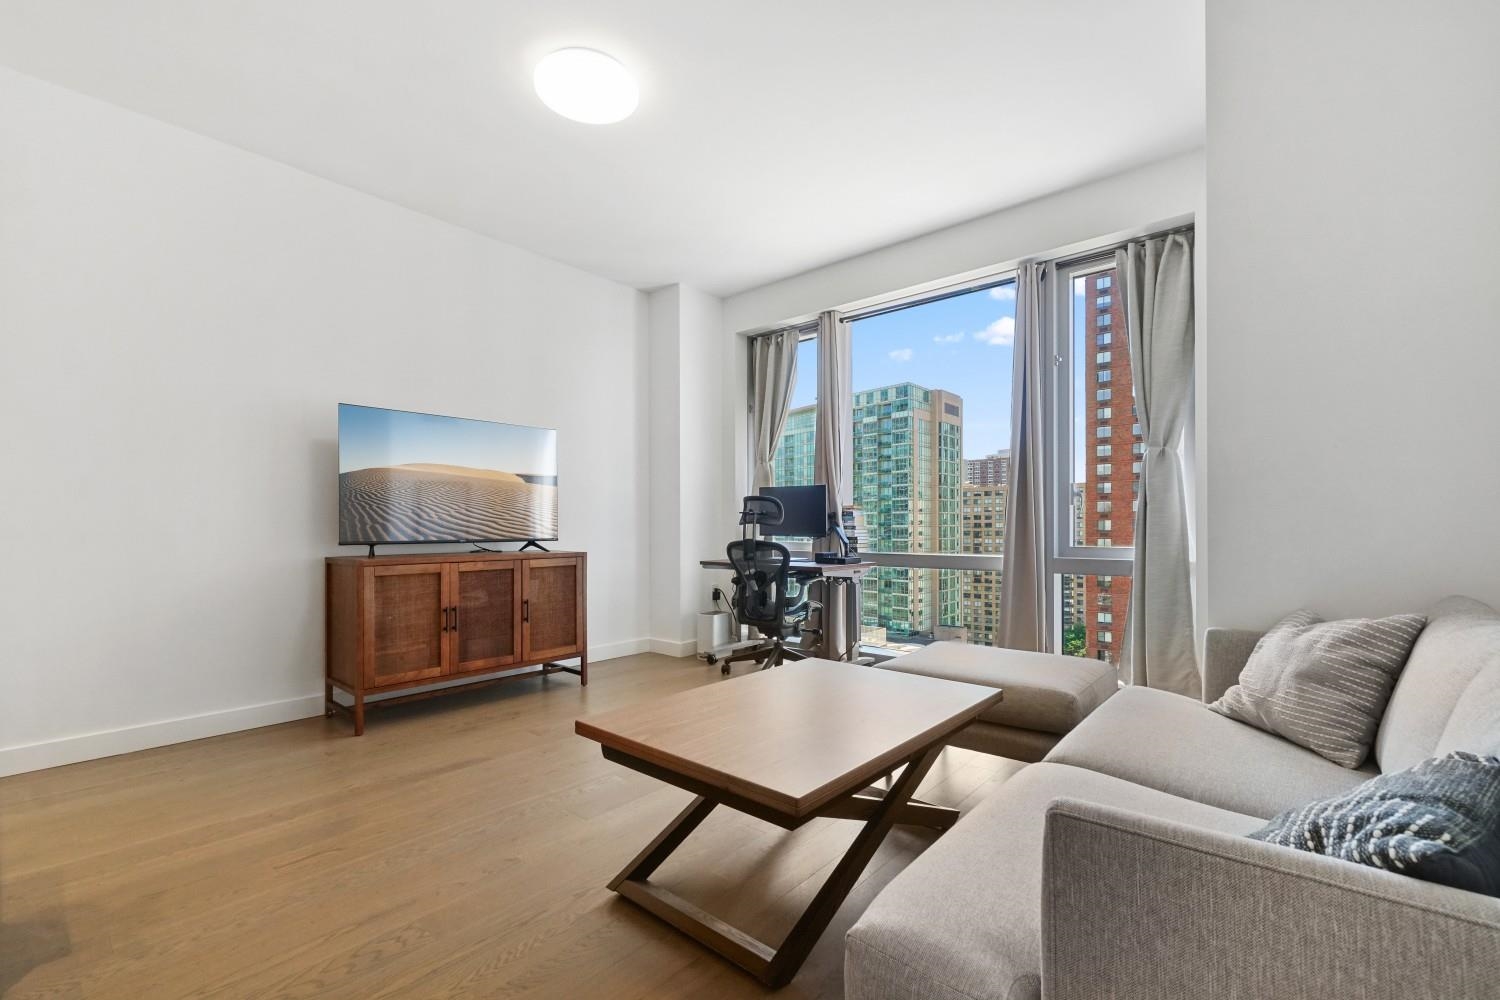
{"type": "Point", "coordinates": [908, 474]}
{"type": "Point", "coordinates": [1106, 513]}
{"type": "Point", "coordinates": [792, 465]}
{"type": "Point", "coordinates": [907, 479]}
{"type": "Point", "coordinates": [983, 534]}
{"type": "Point", "coordinates": [991, 470]}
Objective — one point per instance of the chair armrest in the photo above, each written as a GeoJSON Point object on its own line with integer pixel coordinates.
{"type": "Point", "coordinates": [1225, 652]}
{"type": "Point", "coordinates": [1135, 906]}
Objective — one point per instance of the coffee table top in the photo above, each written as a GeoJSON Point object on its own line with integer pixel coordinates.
{"type": "Point", "coordinates": [796, 737]}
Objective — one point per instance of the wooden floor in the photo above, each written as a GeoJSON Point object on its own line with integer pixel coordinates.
{"type": "Point", "coordinates": [460, 848]}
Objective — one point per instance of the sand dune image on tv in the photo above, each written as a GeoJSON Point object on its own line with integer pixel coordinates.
{"type": "Point", "coordinates": [406, 476]}
{"type": "Point", "coordinates": [436, 503]}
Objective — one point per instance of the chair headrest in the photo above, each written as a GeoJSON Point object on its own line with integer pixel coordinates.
{"type": "Point", "coordinates": [762, 510]}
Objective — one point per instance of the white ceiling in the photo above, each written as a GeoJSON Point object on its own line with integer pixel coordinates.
{"type": "Point", "coordinates": [773, 136]}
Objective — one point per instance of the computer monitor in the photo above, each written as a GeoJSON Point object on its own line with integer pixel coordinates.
{"type": "Point", "coordinates": [806, 510]}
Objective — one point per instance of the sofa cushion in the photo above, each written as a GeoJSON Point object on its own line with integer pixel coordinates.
{"type": "Point", "coordinates": [1043, 691]}
{"type": "Point", "coordinates": [963, 921]}
{"type": "Point", "coordinates": [1176, 744]}
{"type": "Point", "coordinates": [1323, 685]}
{"type": "Point", "coordinates": [1462, 638]}
{"type": "Point", "coordinates": [1474, 725]}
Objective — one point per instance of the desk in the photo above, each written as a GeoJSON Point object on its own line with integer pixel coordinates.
{"type": "Point", "coordinates": [845, 576]}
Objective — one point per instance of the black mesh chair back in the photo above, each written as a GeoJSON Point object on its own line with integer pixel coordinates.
{"type": "Point", "coordinates": [760, 582]}
{"type": "Point", "coordinates": [757, 510]}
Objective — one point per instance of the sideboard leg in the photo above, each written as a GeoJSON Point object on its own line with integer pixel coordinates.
{"type": "Point", "coordinates": [359, 713]}
{"type": "Point", "coordinates": [583, 670]}
{"type": "Point", "coordinates": [328, 699]}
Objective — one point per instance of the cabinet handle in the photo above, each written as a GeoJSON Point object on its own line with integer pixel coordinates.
{"type": "Point", "coordinates": [445, 619]}
{"type": "Point", "coordinates": [525, 611]}
{"type": "Point", "coordinates": [455, 617]}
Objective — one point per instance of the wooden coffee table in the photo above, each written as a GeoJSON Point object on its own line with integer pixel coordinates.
{"type": "Point", "coordinates": [787, 745]}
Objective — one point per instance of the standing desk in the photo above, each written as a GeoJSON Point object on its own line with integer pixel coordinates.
{"type": "Point", "coordinates": [843, 577]}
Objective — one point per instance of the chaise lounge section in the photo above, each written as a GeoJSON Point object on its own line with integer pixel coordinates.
{"type": "Point", "coordinates": [1046, 695]}
{"type": "Point", "coordinates": [1120, 867]}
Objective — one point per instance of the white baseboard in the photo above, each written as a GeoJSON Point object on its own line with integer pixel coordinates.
{"type": "Point", "coordinates": [90, 746]}
{"type": "Point", "coordinates": [149, 735]}
{"type": "Point", "coordinates": [674, 647]}
{"type": "Point", "coordinates": [610, 650]}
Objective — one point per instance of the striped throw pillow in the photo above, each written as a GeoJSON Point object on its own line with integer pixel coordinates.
{"type": "Point", "coordinates": [1323, 685]}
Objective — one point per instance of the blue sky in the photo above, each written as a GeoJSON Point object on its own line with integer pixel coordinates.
{"type": "Point", "coordinates": [370, 438]}
{"type": "Point", "coordinates": [962, 344]}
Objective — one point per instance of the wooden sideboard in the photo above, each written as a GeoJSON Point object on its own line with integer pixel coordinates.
{"type": "Point", "coordinates": [398, 622]}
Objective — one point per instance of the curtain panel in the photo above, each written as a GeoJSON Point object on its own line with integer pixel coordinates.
{"type": "Point", "coordinates": [773, 373]}
{"type": "Point", "coordinates": [1158, 278]}
{"type": "Point", "coordinates": [833, 438]}
{"type": "Point", "coordinates": [1023, 592]}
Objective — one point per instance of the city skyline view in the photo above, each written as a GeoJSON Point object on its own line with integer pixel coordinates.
{"type": "Point", "coordinates": [960, 345]}
{"type": "Point", "coordinates": [963, 345]}
{"type": "Point", "coordinates": [931, 446]}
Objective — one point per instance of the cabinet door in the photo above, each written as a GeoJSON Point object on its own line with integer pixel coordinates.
{"type": "Point", "coordinates": [487, 624]}
{"type": "Point", "coordinates": [406, 623]}
{"type": "Point", "coordinates": [552, 613]}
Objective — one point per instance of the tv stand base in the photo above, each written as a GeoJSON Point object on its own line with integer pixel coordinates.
{"type": "Point", "coordinates": [534, 544]}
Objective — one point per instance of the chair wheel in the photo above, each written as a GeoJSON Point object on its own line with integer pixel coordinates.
{"type": "Point", "coordinates": [710, 659]}
{"type": "Point", "coordinates": [724, 670]}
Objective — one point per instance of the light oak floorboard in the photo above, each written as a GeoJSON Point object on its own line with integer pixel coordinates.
{"type": "Point", "coordinates": [461, 847]}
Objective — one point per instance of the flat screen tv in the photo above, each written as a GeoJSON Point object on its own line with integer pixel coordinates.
{"type": "Point", "coordinates": [419, 477]}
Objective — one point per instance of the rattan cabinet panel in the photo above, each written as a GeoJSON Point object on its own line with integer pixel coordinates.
{"type": "Point", "coordinates": [397, 622]}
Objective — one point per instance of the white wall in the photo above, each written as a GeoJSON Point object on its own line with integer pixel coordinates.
{"type": "Point", "coordinates": [178, 319]}
{"type": "Point", "coordinates": [689, 464]}
{"type": "Point", "coordinates": [1354, 443]}
{"type": "Point", "coordinates": [707, 450]}
{"type": "Point", "coordinates": [1115, 206]}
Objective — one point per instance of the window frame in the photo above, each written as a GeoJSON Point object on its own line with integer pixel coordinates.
{"type": "Point", "coordinates": [1063, 557]}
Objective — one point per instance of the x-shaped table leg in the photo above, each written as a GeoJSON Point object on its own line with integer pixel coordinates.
{"type": "Point", "coordinates": [776, 966]}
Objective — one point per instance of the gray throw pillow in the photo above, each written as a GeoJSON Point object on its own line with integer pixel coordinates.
{"type": "Point", "coordinates": [1323, 685]}
{"type": "Point", "coordinates": [1438, 821]}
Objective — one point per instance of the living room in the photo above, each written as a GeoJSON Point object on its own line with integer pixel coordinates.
{"type": "Point", "coordinates": [861, 500]}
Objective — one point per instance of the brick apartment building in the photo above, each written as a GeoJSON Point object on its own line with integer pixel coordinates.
{"type": "Point", "coordinates": [1113, 442]}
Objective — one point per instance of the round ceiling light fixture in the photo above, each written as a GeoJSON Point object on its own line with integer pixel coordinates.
{"type": "Point", "coordinates": [586, 85]}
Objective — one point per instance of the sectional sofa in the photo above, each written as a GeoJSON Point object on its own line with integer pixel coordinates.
{"type": "Point", "coordinates": [1119, 867]}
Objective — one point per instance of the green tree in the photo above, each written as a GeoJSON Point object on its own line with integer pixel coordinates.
{"type": "Point", "coordinates": [1074, 640]}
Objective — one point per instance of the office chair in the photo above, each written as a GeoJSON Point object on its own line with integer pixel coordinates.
{"type": "Point", "coordinates": [764, 594]}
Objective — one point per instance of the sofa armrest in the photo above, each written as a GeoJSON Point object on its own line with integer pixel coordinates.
{"type": "Point", "coordinates": [1225, 652]}
{"type": "Point", "coordinates": [1135, 906]}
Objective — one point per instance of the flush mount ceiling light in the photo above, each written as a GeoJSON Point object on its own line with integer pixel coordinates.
{"type": "Point", "coordinates": [586, 86]}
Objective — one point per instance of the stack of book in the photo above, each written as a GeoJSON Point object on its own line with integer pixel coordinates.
{"type": "Point", "coordinates": [854, 527]}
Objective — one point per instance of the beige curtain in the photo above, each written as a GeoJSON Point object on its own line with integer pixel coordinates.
{"type": "Point", "coordinates": [833, 441]}
{"type": "Point", "coordinates": [1158, 279]}
{"type": "Point", "coordinates": [773, 373]}
{"type": "Point", "coordinates": [1023, 588]}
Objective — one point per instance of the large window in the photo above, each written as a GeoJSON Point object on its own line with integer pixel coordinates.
{"type": "Point", "coordinates": [931, 427]}
{"type": "Point", "coordinates": [931, 458]}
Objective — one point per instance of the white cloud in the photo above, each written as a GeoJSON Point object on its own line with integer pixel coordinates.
{"type": "Point", "coordinates": [949, 338]}
{"type": "Point", "coordinates": [1004, 293]}
{"type": "Point", "coordinates": [1001, 333]}
{"type": "Point", "coordinates": [901, 354]}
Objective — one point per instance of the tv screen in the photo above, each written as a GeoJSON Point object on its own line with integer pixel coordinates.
{"type": "Point", "coordinates": [419, 477]}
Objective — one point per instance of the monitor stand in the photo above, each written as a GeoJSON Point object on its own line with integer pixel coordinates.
{"type": "Point", "coordinates": [534, 544]}
{"type": "Point", "coordinates": [372, 550]}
